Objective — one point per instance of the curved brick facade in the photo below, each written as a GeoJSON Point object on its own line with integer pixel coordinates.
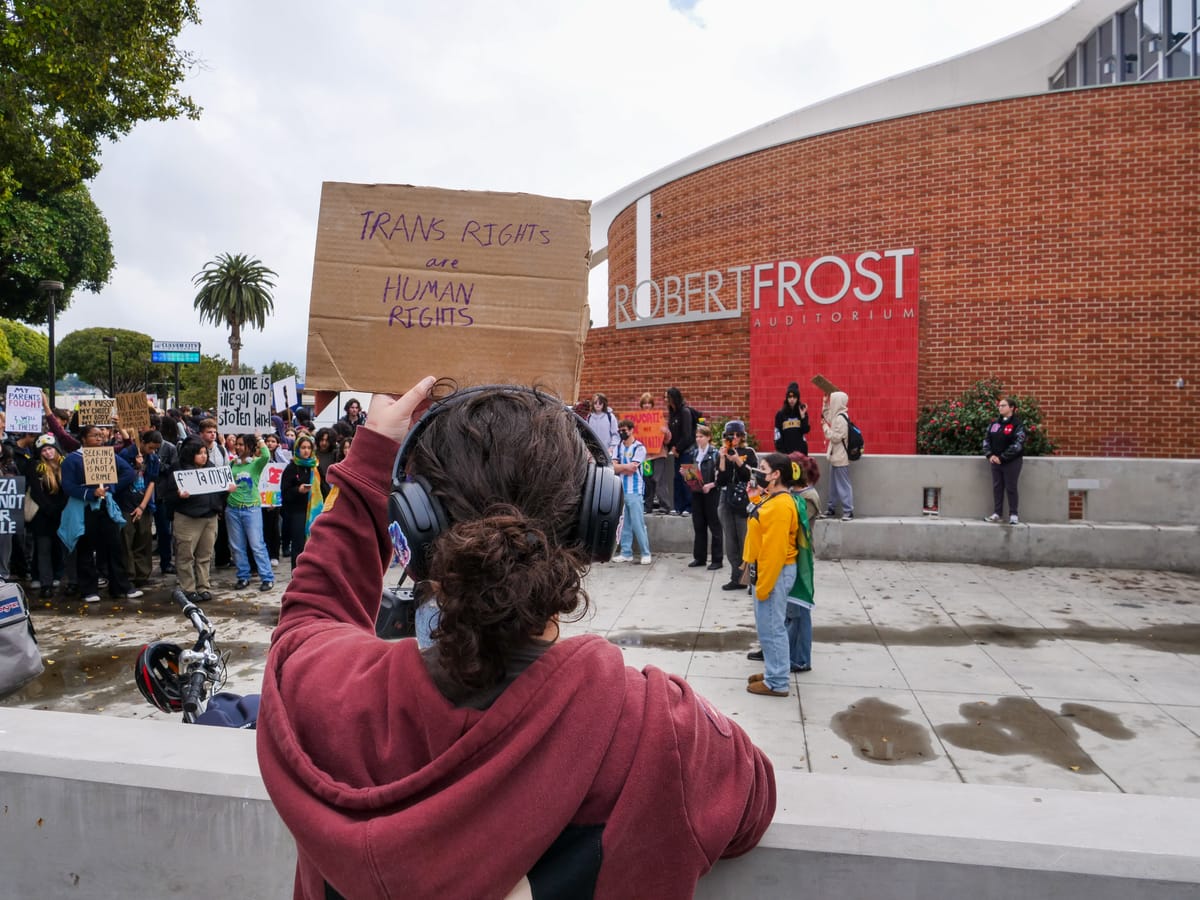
{"type": "Point", "coordinates": [1059, 246]}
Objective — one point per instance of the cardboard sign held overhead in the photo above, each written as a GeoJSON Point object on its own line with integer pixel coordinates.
{"type": "Point", "coordinates": [244, 403]}
{"type": "Point", "coordinates": [285, 393]}
{"type": "Point", "coordinates": [476, 286]}
{"type": "Point", "coordinates": [96, 412]}
{"type": "Point", "coordinates": [826, 386]}
{"type": "Point", "coordinates": [23, 410]}
{"type": "Point", "coordinates": [99, 465]}
{"type": "Point", "coordinates": [133, 413]}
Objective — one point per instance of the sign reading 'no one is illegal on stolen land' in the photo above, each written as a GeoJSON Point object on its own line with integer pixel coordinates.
{"type": "Point", "coordinates": [476, 286]}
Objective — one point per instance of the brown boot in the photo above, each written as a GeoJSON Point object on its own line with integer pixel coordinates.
{"type": "Point", "coordinates": [758, 676]}
{"type": "Point", "coordinates": [760, 687]}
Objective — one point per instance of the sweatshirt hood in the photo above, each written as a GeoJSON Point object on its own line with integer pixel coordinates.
{"type": "Point", "coordinates": [838, 401]}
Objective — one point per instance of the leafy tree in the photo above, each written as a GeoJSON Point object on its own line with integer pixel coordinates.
{"type": "Point", "coordinates": [75, 72]}
{"type": "Point", "coordinates": [59, 236]}
{"type": "Point", "coordinates": [280, 370]}
{"type": "Point", "coordinates": [85, 353]}
{"type": "Point", "coordinates": [235, 291]}
{"type": "Point", "coordinates": [11, 368]}
{"type": "Point", "coordinates": [956, 427]}
{"type": "Point", "coordinates": [31, 348]}
{"type": "Point", "coordinates": [198, 383]}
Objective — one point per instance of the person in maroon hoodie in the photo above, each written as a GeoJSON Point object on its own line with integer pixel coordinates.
{"type": "Point", "coordinates": [502, 757]}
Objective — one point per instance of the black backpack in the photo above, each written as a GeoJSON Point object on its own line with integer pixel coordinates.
{"type": "Point", "coordinates": [854, 439]}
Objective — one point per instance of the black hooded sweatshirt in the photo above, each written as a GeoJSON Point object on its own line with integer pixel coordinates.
{"type": "Point", "coordinates": [791, 425]}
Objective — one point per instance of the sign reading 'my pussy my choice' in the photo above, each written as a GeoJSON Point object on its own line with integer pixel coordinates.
{"type": "Point", "coordinates": [476, 286]}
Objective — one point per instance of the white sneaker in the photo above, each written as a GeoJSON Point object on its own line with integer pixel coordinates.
{"type": "Point", "coordinates": [34, 585]}
{"type": "Point", "coordinates": [92, 598]}
{"type": "Point", "coordinates": [1012, 520]}
{"type": "Point", "coordinates": [646, 560]}
{"type": "Point", "coordinates": [133, 595]}
{"type": "Point", "coordinates": [274, 564]}
{"type": "Point", "coordinates": [992, 518]}
{"type": "Point", "coordinates": [620, 558]}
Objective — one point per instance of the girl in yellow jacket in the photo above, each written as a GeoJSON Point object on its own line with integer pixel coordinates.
{"type": "Point", "coordinates": [771, 548]}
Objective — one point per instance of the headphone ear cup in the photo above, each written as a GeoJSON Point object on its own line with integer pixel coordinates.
{"type": "Point", "coordinates": [421, 518]}
{"type": "Point", "coordinates": [600, 512]}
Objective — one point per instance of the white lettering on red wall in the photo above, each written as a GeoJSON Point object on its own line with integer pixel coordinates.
{"type": "Point", "coordinates": [844, 282]}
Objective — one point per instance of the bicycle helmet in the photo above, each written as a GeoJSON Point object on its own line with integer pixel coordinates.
{"type": "Point", "coordinates": [156, 671]}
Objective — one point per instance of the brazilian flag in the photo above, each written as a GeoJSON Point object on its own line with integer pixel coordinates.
{"type": "Point", "coordinates": [802, 590]}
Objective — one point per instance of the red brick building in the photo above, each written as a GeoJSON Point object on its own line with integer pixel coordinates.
{"type": "Point", "coordinates": [1050, 239]}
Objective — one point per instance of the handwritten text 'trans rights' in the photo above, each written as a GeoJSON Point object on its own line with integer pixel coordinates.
{"type": "Point", "coordinates": [424, 302]}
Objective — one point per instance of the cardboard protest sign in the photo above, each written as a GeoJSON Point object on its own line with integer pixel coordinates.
{"type": "Point", "coordinates": [269, 486]}
{"type": "Point", "coordinates": [479, 287]}
{"type": "Point", "coordinates": [244, 403]}
{"type": "Point", "coordinates": [23, 410]}
{"type": "Point", "coordinates": [96, 412]}
{"type": "Point", "coordinates": [133, 413]}
{"type": "Point", "coordinates": [99, 465]}
{"type": "Point", "coordinates": [285, 393]}
{"type": "Point", "coordinates": [12, 505]}
{"type": "Point", "coordinates": [827, 387]}
{"type": "Point", "coordinates": [206, 480]}
{"type": "Point", "coordinates": [647, 428]}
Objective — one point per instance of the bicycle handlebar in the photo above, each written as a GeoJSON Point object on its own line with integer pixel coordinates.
{"type": "Point", "coordinates": [193, 692]}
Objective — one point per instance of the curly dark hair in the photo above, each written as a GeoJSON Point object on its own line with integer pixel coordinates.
{"type": "Point", "coordinates": [508, 468]}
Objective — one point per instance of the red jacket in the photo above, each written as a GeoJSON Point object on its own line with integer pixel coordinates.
{"type": "Point", "coordinates": [390, 791]}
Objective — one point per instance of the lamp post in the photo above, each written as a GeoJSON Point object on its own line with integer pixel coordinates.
{"type": "Point", "coordinates": [111, 381]}
{"type": "Point", "coordinates": [52, 290]}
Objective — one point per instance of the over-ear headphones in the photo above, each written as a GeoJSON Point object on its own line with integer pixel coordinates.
{"type": "Point", "coordinates": [422, 517]}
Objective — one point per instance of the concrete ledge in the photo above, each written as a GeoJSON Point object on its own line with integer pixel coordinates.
{"type": "Point", "coordinates": [1169, 548]}
{"type": "Point", "coordinates": [107, 808]}
{"type": "Point", "coordinates": [1172, 548]}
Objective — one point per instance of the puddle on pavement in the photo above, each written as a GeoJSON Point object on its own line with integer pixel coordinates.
{"type": "Point", "coordinates": [702, 642]}
{"type": "Point", "coordinates": [1018, 726]}
{"type": "Point", "coordinates": [1175, 638]}
{"type": "Point", "coordinates": [879, 733]}
{"type": "Point", "coordinates": [95, 677]}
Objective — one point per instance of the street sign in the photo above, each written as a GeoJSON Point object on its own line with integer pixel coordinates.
{"type": "Point", "coordinates": [175, 352]}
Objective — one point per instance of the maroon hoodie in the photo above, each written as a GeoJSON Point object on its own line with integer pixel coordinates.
{"type": "Point", "coordinates": [587, 777]}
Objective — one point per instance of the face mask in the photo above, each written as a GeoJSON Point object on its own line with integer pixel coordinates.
{"type": "Point", "coordinates": [760, 478]}
{"type": "Point", "coordinates": [624, 435]}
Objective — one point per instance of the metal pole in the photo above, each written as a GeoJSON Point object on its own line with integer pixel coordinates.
{"type": "Point", "coordinates": [51, 289]}
{"type": "Point", "coordinates": [177, 403]}
{"type": "Point", "coordinates": [112, 391]}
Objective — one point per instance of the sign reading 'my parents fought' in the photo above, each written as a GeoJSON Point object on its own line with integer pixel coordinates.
{"type": "Point", "coordinates": [476, 286]}
{"type": "Point", "coordinates": [243, 403]}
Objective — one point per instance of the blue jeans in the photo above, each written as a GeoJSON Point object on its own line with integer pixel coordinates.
{"type": "Point", "coordinates": [245, 530]}
{"type": "Point", "coordinates": [769, 620]}
{"type": "Point", "coordinates": [635, 525]}
{"type": "Point", "coordinates": [799, 631]}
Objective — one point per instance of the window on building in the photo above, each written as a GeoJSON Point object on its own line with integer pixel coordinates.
{"type": "Point", "coordinates": [1145, 41]}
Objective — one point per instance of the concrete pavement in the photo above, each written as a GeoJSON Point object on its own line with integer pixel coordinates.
{"type": "Point", "coordinates": [1084, 679]}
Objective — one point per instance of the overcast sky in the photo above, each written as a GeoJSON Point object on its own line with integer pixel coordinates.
{"type": "Point", "coordinates": [573, 99]}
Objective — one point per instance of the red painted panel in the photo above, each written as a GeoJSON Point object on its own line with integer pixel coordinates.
{"type": "Point", "coordinates": [852, 318]}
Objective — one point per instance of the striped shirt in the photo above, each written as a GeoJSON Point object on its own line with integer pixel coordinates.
{"type": "Point", "coordinates": [634, 453]}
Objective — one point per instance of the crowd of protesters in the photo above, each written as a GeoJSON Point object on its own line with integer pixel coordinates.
{"type": "Point", "coordinates": [81, 539]}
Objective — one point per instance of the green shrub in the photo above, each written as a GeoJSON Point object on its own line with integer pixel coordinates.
{"type": "Point", "coordinates": [956, 427]}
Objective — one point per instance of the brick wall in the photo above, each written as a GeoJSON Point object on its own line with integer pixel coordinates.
{"type": "Point", "coordinates": [1059, 242]}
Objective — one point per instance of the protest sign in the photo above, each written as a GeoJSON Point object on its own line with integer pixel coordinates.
{"type": "Point", "coordinates": [244, 403]}
{"type": "Point", "coordinates": [269, 489]}
{"type": "Point", "coordinates": [99, 465]}
{"type": "Point", "coordinates": [96, 412]}
{"type": "Point", "coordinates": [691, 476]}
{"type": "Point", "coordinates": [206, 480]}
{"type": "Point", "coordinates": [476, 286]}
{"type": "Point", "coordinates": [12, 505]}
{"type": "Point", "coordinates": [285, 393]}
{"type": "Point", "coordinates": [23, 410]}
{"type": "Point", "coordinates": [647, 428]}
{"type": "Point", "coordinates": [133, 413]}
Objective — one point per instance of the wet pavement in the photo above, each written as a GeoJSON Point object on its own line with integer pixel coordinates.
{"type": "Point", "coordinates": [1045, 677]}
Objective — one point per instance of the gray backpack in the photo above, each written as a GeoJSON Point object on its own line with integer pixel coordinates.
{"type": "Point", "coordinates": [20, 660]}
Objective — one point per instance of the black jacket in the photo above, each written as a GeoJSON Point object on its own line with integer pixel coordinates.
{"type": "Point", "coordinates": [194, 506]}
{"type": "Point", "coordinates": [1005, 438]}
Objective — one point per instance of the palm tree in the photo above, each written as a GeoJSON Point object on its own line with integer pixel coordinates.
{"type": "Point", "coordinates": [235, 291]}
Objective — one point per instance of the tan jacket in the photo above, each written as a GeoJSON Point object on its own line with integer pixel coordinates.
{"type": "Point", "coordinates": [833, 423]}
